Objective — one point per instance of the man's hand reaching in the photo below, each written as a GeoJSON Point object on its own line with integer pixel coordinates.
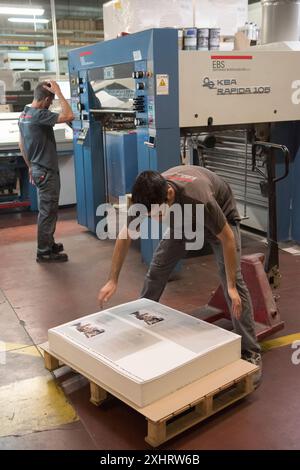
{"type": "Point", "coordinates": [119, 255]}
{"type": "Point", "coordinates": [236, 303]}
{"type": "Point", "coordinates": [106, 292]}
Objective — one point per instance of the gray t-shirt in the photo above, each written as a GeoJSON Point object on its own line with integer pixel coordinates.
{"type": "Point", "coordinates": [36, 128]}
{"type": "Point", "coordinates": [197, 185]}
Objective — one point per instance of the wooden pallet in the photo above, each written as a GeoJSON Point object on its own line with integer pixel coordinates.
{"type": "Point", "coordinates": [182, 409]}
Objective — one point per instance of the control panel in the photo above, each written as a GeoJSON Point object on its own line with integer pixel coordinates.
{"type": "Point", "coordinates": [140, 101]}
{"type": "Point", "coordinates": [82, 134]}
{"type": "Point", "coordinates": [75, 96]}
{"type": "Point", "coordinates": [78, 103]}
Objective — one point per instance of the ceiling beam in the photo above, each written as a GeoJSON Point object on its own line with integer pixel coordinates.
{"type": "Point", "coordinates": [41, 32]}
{"type": "Point", "coordinates": [29, 37]}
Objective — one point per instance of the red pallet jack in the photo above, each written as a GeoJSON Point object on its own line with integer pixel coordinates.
{"type": "Point", "coordinates": [261, 275]}
{"type": "Point", "coordinates": [14, 204]}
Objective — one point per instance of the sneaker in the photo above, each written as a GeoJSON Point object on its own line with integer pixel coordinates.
{"type": "Point", "coordinates": [52, 258]}
{"type": "Point", "coordinates": [57, 247]}
{"type": "Point", "coordinates": [255, 358]}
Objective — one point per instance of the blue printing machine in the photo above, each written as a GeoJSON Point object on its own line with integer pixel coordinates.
{"type": "Point", "coordinates": [109, 77]}
{"type": "Point", "coordinates": [127, 71]}
{"type": "Point", "coordinates": [121, 162]}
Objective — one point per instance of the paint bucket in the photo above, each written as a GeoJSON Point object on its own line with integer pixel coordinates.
{"type": "Point", "coordinates": [202, 39]}
{"type": "Point", "coordinates": [190, 39]}
{"type": "Point", "coordinates": [180, 39]}
{"type": "Point", "coordinates": [214, 39]}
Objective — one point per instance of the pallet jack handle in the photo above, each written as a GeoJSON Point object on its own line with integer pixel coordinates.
{"type": "Point", "coordinates": [272, 259]}
{"type": "Point", "coordinates": [271, 147]}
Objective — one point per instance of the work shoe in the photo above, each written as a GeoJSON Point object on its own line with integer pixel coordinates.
{"type": "Point", "coordinates": [254, 358]}
{"type": "Point", "coordinates": [57, 247]}
{"type": "Point", "coordinates": [52, 258]}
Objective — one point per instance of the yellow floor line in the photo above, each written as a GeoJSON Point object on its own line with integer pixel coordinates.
{"type": "Point", "coordinates": [28, 351]}
{"type": "Point", "coordinates": [280, 342]}
{"type": "Point", "coordinates": [33, 404]}
{"type": "Point", "coordinates": [13, 346]}
{"type": "Point", "coordinates": [16, 348]}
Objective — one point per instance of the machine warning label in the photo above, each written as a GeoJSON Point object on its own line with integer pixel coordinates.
{"type": "Point", "coordinates": [137, 55]}
{"type": "Point", "coordinates": [162, 84]}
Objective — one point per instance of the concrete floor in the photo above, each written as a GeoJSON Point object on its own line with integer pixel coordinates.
{"type": "Point", "coordinates": [36, 414]}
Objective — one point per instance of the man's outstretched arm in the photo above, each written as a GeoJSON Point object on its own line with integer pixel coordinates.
{"type": "Point", "coordinates": [119, 255]}
{"type": "Point", "coordinates": [227, 239]}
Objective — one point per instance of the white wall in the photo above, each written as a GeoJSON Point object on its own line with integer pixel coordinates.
{"type": "Point", "coordinates": [255, 13]}
{"type": "Point", "coordinates": [136, 15]}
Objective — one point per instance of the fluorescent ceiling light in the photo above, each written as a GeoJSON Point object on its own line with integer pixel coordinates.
{"type": "Point", "coordinates": [28, 20]}
{"type": "Point", "coordinates": [21, 11]}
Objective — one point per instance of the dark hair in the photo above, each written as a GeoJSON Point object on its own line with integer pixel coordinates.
{"type": "Point", "coordinates": [40, 93]}
{"type": "Point", "coordinates": [149, 188]}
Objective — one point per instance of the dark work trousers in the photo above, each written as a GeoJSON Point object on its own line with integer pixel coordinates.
{"type": "Point", "coordinates": [165, 258]}
{"type": "Point", "coordinates": [48, 187]}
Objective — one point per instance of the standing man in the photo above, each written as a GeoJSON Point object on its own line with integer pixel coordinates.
{"type": "Point", "coordinates": [38, 147]}
{"type": "Point", "coordinates": [193, 185]}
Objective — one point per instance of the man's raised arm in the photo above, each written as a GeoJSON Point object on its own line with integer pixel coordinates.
{"type": "Point", "coordinates": [66, 113]}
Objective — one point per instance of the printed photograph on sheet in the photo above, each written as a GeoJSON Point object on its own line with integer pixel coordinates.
{"type": "Point", "coordinates": [148, 316]}
{"type": "Point", "coordinates": [88, 329]}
